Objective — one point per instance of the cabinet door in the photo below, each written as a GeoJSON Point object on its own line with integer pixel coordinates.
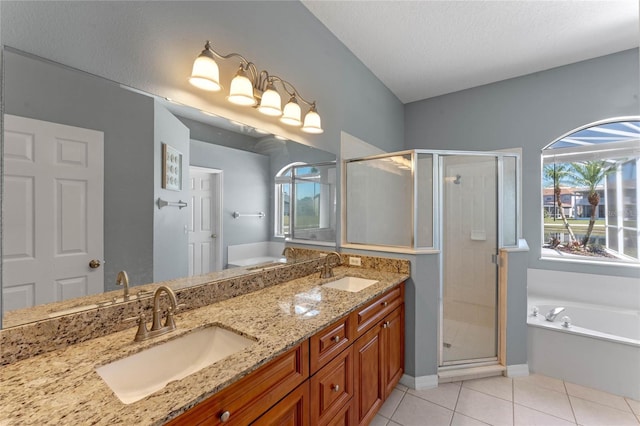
{"type": "Point", "coordinates": [393, 333]}
{"type": "Point", "coordinates": [332, 388]}
{"type": "Point", "coordinates": [293, 410]}
{"type": "Point", "coordinates": [368, 374]}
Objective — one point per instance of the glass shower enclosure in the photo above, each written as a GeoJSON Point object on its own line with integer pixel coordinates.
{"type": "Point", "coordinates": [462, 205]}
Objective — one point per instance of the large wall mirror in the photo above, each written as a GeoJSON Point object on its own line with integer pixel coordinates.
{"type": "Point", "coordinates": [137, 152]}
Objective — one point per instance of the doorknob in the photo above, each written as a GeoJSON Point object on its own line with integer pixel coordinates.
{"type": "Point", "coordinates": [214, 235]}
{"type": "Point", "coordinates": [94, 263]}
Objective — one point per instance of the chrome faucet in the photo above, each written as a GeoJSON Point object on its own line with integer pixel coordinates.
{"type": "Point", "coordinates": [552, 314]}
{"type": "Point", "coordinates": [157, 328]}
{"type": "Point", "coordinates": [291, 251]}
{"type": "Point", "coordinates": [326, 271]}
{"type": "Point", "coordinates": [123, 279]}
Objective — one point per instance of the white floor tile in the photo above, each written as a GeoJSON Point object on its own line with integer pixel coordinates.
{"type": "Point", "coordinates": [545, 400]}
{"type": "Point", "coordinates": [500, 386]}
{"type": "Point", "coordinates": [543, 382]}
{"type": "Point", "coordinates": [378, 420]}
{"type": "Point", "coordinates": [589, 413]}
{"type": "Point", "coordinates": [391, 403]}
{"type": "Point", "coordinates": [414, 411]}
{"type": "Point", "coordinates": [484, 407]}
{"type": "Point", "coordinates": [635, 405]}
{"type": "Point", "coordinates": [525, 416]}
{"type": "Point", "coordinates": [401, 388]}
{"type": "Point", "coordinates": [598, 396]}
{"type": "Point", "coordinates": [462, 420]}
{"type": "Point", "coordinates": [446, 394]}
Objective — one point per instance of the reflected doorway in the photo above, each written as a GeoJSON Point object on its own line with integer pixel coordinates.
{"type": "Point", "coordinates": [205, 220]}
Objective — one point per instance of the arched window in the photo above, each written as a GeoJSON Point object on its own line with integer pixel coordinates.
{"type": "Point", "coordinates": [590, 193]}
{"type": "Point", "coordinates": [282, 208]}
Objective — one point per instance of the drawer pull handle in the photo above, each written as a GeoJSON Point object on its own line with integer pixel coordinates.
{"type": "Point", "coordinates": [386, 324]}
{"type": "Point", "coordinates": [335, 339]}
{"type": "Point", "coordinates": [225, 416]}
{"type": "Point", "coordinates": [385, 304]}
{"type": "Point", "coordinates": [335, 388]}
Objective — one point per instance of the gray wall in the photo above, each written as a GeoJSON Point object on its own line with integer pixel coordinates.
{"type": "Point", "coordinates": [151, 45]}
{"type": "Point", "coordinates": [246, 189]}
{"type": "Point", "coordinates": [170, 237]}
{"type": "Point", "coordinates": [48, 92]}
{"type": "Point", "coordinates": [530, 112]}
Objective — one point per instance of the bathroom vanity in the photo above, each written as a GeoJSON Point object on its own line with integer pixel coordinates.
{"type": "Point", "coordinates": [318, 355]}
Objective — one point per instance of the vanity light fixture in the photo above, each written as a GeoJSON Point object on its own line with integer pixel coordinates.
{"type": "Point", "coordinates": [252, 88]}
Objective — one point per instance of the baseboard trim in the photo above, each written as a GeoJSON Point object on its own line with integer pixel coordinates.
{"type": "Point", "coordinates": [419, 383]}
{"type": "Point", "coordinates": [518, 370]}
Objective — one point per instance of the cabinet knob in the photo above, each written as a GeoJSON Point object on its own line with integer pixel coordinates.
{"type": "Point", "coordinates": [225, 416]}
{"type": "Point", "coordinates": [385, 304]}
{"type": "Point", "coordinates": [386, 324]}
{"type": "Point", "coordinates": [335, 339]}
{"type": "Point", "coordinates": [335, 388]}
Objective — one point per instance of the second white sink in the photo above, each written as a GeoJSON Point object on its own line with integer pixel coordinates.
{"type": "Point", "coordinates": [141, 374]}
{"type": "Point", "coordinates": [352, 284]}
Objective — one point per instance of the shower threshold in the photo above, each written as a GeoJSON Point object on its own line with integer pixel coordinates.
{"type": "Point", "coordinates": [469, 372]}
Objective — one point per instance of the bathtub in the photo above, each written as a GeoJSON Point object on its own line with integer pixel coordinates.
{"type": "Point", "coordinates": [600, 349]}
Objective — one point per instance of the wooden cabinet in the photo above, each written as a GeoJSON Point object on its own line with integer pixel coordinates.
{"type": "Point", "coordinates": [393, 349]}
{"type": "Point", "coordinates": [251, 396]}
{"type": "Point", "coordinates": [379, 364]}
{"type": "Point", "coordinates": [328, 343]}
{"type": "Point", "coordinates": [293, 410]}
{"type": "Point", "coordinates": [332, 388]}
{"type": "Point", "coordinates": [369, 387]}
{"type": "Point", "coordinates": [341, 376]}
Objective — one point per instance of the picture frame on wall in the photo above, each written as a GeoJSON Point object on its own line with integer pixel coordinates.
{"type": "Point", "coordinates": [171, 168]}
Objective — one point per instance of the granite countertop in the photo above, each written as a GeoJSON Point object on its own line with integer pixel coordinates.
{"type": "Point", "coordinates": [62, 387]}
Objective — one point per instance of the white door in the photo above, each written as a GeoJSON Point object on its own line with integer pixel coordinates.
{"type": "Point", "coordinates": [204, 222]}
{"type": "Point", "coordinates": [52, 212]}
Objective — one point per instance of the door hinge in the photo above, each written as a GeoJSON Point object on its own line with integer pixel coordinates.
{"type": "Point", "coordinates": [495, 259]}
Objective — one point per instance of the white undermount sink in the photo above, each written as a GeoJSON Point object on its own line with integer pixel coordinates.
{"type": "Point", "coordinates": [141, 374]}
{"type": "Point", "coordinates": [352, 284]}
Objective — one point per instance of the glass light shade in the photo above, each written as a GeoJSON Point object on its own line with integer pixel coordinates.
{"type": "Point", "coordinates": [291, 113]}
{"type": "Point", "coordinates": [312, 123]}
{"type": "Point", "coordinates": [241, 90]}
{"type": "Point", "coordinates": [205, 73]}
{"type": "Point", "coordinates": [271, 104]}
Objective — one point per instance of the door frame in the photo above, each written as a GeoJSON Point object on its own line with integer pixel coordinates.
{"type": "Point", "coordinates": [216, 210]}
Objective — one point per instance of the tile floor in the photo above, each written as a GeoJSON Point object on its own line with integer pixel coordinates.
{"type": "Point", "coordinates": [532, 400]}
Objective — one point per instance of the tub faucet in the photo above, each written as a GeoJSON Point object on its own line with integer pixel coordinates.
{"type": "Point", "coordinates": [552, 314]}
{"type": "Point", "coordinates": [123, 280]}
{"type": "Point", "coordinates": [291, 252]}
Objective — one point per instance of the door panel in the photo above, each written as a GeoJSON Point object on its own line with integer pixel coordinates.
{"type": "Point", "coordinates": [202, 224]}
{"type": "Point", "coordinates": [53, 212]}
{"type": "Point", "coordinates": [469, 220]}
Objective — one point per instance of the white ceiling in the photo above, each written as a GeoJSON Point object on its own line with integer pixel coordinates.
{"type": "Point", "coordinates": [422, 49]}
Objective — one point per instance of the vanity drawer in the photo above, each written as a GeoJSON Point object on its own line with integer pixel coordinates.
{"type": "Point", "coordinates": [329, 342]}
{"type": "Point", "coordinates": [376, 310]}
{"type": "Point", "coordinates": [251, 396]}
{"type": "Point", "coordinates": [332, 388]}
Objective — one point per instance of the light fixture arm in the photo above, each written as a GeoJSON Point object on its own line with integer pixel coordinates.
{"type": "Point", "coordinates": [293, 91]}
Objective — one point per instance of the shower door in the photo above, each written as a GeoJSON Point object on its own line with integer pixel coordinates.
{"type": "Point", "coordinates": [469, 311]}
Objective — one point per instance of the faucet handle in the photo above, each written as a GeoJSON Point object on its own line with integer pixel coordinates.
{"type": "Point", "coordinates": [142, 332]}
